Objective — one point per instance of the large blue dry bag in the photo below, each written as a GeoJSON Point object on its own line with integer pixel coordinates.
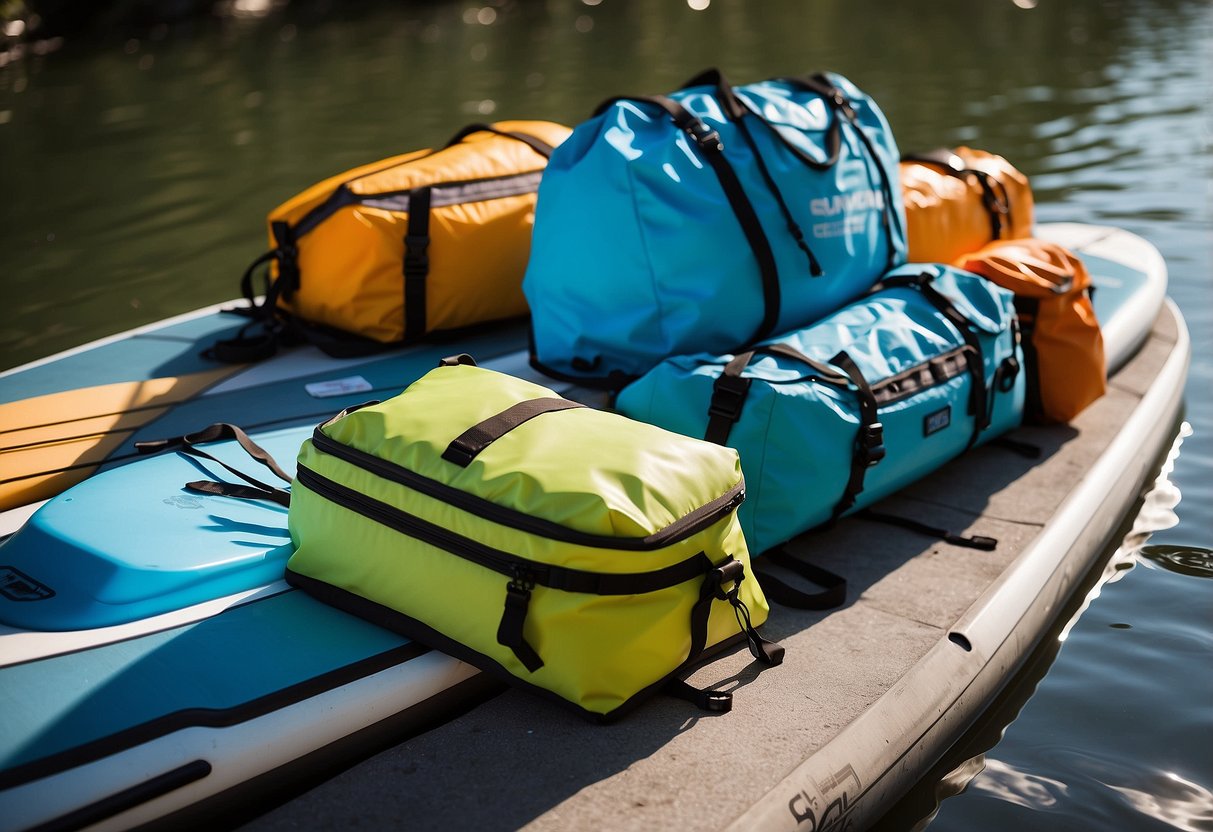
{"type": "Point", "coordinates": [714, 217]}
{"type": "Point", "coordinates": [833, 417]}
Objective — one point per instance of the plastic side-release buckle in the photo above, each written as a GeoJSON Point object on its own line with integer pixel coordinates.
{"type": "Point", "coordinates": [728, 397]}
{"type": "Point", "coordinates": [416, 259]}
{"type": "Point", "coordinates": [871, 444]}
{"type": "Point", "coordinates": [704, 135]}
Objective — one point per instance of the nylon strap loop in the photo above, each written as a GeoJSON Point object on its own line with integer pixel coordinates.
{"type": "Point", "coordinates": [465, 447]}
{"type": "Point", "coordinates": [834, 587]}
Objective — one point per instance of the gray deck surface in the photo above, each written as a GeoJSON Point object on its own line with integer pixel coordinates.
{"type": "Point", "coordinates": [518, 761]}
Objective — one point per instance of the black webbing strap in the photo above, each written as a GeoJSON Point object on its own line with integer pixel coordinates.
{"type": "Point", "coordinates": [465, 447]}
{"type": "Point", "coordinates": [977, 541]}
{"type": "Point", "coordinates": [844, 110]}
{"type": "Point", "coordinates": [513, 619]}
{"type": "Point", "coordinates": [793, 227]}
{"type": "Point", "coordinates": [888, 216]}
{"type": "Point", "coordinates": [731, 388]}
{"type": "Point", "coordinates": [737, 111]}
{"type": "Point", "coordinates": [730, 573]}
{"type": "Point", "coordinates": [416, 263]}
{"type": "Point", "coordinates": [994, 195]}
{"type": "Point", "coordinates": [626, 583]}
{"type": "Point", "coordinates": [534, 142]}
{"type": "Point", "coordinates": [729, 393]}
{"type": "Point", "coordinates": [712, 150]}
{"type": "Point", "coordinates": [979, 399]}
{"type": "Point", "coordinates": [869, 448]}
{"type": "Point", "coordinates": [833, 98]}
{"type": "Point", "coordinates": [260, 338]}
{"type": "Point", "coordinates": [834, 587]}
{"type": "Point", "coordinates": [221, 430]}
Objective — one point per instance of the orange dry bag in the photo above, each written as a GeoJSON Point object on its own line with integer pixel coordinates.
{"type": "Point", "coordinates": [958, 200]}
{"type": "Point", "coordinates": [388, 252]}
{"type": "Point", "coordinates": [1062, 343]}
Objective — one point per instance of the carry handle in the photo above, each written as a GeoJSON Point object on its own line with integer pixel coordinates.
{"type": "Point", "coordinates": [994, 195]}
{"type": "Point", "coordinates": [468, 445]}
{"type": "Point", "coordinates": [538, 145]}
{"type": "Point", "coordinates": [713, 77]}
{"type": "Point", "coordinates": [707, 139]}
{"type": "Point", "coordinates": [736, 108]}
{"type": "Point", "coordinates": [731, 388]}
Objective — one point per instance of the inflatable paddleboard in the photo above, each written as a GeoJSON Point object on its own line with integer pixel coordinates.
{"type": "Point", "coordinates": [150, 658]}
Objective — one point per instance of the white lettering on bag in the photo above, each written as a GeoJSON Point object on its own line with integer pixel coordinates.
{"type": "Point", "coordinates": [832, 206]}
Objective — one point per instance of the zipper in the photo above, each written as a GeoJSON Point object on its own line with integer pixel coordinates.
{"type": "Point", "coordinates": [942, 369]}
{"type": "Point", "coordinates": [682, 528]}
{"type": "Point", "coordinates": [512, 566]}
{"type": "Point", "coordinates": [524, 574]}
{"type": "Point", "coordinates": [444, 194]}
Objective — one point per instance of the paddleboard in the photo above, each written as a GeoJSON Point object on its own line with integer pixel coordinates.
{"type": "Point", "coordinates": [151, 659]}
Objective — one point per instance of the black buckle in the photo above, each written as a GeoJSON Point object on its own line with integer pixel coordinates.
{"type": "Point", "coordinates": [706, 137]}
{"type": "Point", "coordinates": [1008, 370]}
{"type": "Point", "coordinates": [731, 570]}
{"type": "Point", "coordinates": [728, 397]}
{"type": "Point", "coordinates": [522, 581]}
{"type": "Point", "coordinates": [871, 444]}
{"type": "Point", "coordinates": [416, 260]}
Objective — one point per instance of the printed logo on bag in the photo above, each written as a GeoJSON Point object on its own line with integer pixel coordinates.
{"type": "Point", "coordinates": [937, 421]}
{"type": "Point", "coordinates": [853, 208]}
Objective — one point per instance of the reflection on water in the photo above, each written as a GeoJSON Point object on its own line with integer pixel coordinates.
{"type": "Point", "coordinates": [1164, 797]}
{"type": "Point", "coordinates": [1186, 560]}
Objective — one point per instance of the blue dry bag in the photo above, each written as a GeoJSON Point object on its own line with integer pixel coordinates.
{"type": "Point", "coordinates": [714, 217]}
{"type": "Point", "coordinates": [833, 417]}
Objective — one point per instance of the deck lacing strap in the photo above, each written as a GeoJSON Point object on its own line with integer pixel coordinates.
{"type": "Point", "coordinates": [188, 443]}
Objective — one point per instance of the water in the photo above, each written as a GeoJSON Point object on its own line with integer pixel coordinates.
{"type": "Point", "coordinates": [138, 159]}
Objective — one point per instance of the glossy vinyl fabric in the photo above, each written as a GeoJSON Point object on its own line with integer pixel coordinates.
{"type": "Point", "coordinates": [638, 255]}
{"type": "Point", "coordinates": [795, 436]}
{"type": "Point", "coordinates": [351, 263]}
{"type": "Point", "coordinates": [1066, 362]}
{"type": "Point", "coordinates": [587, 470]}
{"type": "Point", "coordinates": [946, 217]}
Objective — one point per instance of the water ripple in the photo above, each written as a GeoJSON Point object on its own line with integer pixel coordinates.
{"type": "Point", "coordinates": [1185, 560]}
{"type": "Point", "coordinates": [1107, 788]}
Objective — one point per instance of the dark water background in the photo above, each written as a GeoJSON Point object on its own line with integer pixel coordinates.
{"type": "Point", "coordinates": [141, 147]}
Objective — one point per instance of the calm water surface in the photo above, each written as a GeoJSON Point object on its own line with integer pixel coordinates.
{"type": "Point", "coordinates": [138, 160]}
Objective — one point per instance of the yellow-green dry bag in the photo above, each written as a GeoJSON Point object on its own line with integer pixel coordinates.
{"type": "Point", "coordinates": [571, 550]}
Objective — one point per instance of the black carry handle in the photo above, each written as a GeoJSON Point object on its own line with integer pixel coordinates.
{"type": "Point", "coordinates": [468, 445]}
{"type": "Point", "coordinates": [994, 195]}
{"type": "Point", "coordinates": [534, 142]}
{"type": "Point", "coordinates": [736, 111]}
{"type": "Point", "coordinates": [736, 108]}
{"type": "Point", "coordinates": [713, 77]}
{"type": "Point", "coordinates": [712, 149]}
{"type": "Point", "coordinates": [731, 388]}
